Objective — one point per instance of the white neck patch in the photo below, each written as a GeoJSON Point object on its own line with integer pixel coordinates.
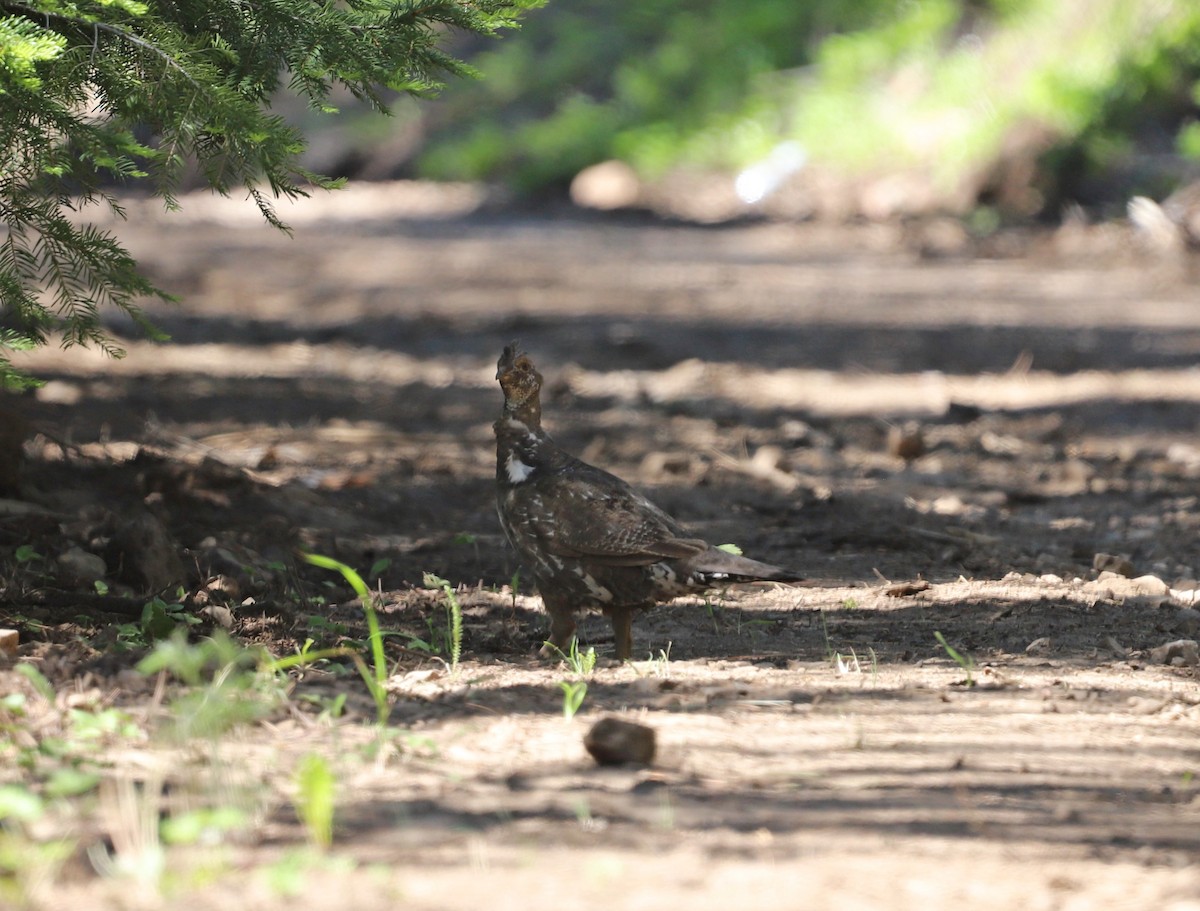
{"type": "Point", "coordinates": [518, 471]}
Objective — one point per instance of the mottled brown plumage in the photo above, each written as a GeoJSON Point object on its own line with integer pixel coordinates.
{"type": "Point", "coordinates": [587, 537]}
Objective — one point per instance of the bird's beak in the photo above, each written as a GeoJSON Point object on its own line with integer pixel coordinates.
{"type": "Point", "coordinates": [508, 358]}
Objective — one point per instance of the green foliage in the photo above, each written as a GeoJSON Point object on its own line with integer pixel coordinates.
{"type": "Point", "coordinates": [574, 692]}
{"type": "Point", "coordinates": [580, 663]}
{"type": "Point", "coordinates": [374, 677]}
{"type": "Point", "coordinates": [315, 797]}
{"type": "Point", "coordinates": [651, 82]}
{"type": "Point", "coordinates": [942, 87]}
{"type": "Point", "coordinates": [97, 93]}
{"type": "Point", "coordinates": [26, 553]}
{"type": "Point", "coordinates": [158, 621]}
{"type": "Point", "coordinates": [966, 662]}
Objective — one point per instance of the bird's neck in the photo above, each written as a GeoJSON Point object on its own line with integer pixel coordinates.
{"type": "Point", "coordinates": [528, 412]}
{"type": "Point", "coordinates": [523, 452]}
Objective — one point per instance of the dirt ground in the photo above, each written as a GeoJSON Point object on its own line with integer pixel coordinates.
{"type": "Point", "coordinates": [817, 747]}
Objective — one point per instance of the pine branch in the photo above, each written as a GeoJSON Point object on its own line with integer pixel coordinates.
{"type": "Point", "coordinates": [78, 76]}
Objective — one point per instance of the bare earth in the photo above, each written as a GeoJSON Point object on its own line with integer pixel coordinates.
{"type": "Point", "coordinates": [817, 746]}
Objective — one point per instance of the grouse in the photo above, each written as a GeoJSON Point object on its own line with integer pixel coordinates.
{"type": "Point", "coordinates": [587, 537]}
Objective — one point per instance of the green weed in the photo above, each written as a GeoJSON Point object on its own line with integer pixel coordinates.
{"type": "Point", "coordinates": [966, 662]}
{"type": "Point", "coordinates": [27, 553]}
{"type": "Point", "coordinates": [453, 617]}
{"type": "Point", "coordinates": [574, 692]}
{"type": "Point", "coordinates": [159, 620]}
{"type": "Point", "coordinates": [315, 796]}
{"type": "Point", "coordinates": [581, 664]}
{"type": "Point", "coordinates": [374, 677]}
{"type": "Point", "coordinates": [661, 664]}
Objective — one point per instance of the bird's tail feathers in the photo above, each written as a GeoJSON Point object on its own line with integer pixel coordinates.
{"type": "Point", "coordinates": [719, 565]}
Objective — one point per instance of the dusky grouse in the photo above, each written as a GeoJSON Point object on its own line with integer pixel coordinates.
{"type": "Point", "coordinates": [587, 537]}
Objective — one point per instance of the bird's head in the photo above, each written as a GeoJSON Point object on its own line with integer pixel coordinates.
{"type": "Point", "coordinates": [521, 383]}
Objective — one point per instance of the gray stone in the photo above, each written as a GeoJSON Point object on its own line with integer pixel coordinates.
{"type": "Point", "coordinates": [1113, 564]}
{"type": "Point", "coordinates": [1187, 621]}
{"type": "Point", "coordinates": [146, 554]}
{"type": "Point", "coordinates": [1180, 653]}
{"type": "Point", "coordinates": [78, 567]}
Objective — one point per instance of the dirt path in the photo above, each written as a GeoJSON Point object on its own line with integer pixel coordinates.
{"type": "Point", "coordinates": [817, 746]}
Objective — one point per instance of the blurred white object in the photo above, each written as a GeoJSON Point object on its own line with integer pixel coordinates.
{"type": "Point", "coordinates": [760, 180]}
{"type": "Point", "coordinates": [1173, 225]}
{"type": "Point", "coordinates": [1153, 225]}
{"type": "Point", "coordinates": [607, 185]}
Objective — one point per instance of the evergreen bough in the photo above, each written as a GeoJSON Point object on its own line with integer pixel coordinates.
{"type": "Point", "coordinates": [99, 93]}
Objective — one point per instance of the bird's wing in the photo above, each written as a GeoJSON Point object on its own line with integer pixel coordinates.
{"type": "Point", "coordinates": [603, 520]}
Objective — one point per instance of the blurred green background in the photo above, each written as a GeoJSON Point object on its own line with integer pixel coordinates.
{"type": "Point", "coordinates": [1017, 106]}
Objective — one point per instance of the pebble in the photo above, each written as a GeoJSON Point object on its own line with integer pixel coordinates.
{"type": "Point", "coordinates": [1180, 653]}
{"type": "Point", "coordinates": [78, 567]}
{"type": "Point", "coordinates": [146, 553]}
{"type": "Point", "coordinates": [1150, 585]}
{"type": "Point", "coordinates": [606, 186]}
{"type": "Point", "coordinates": [1185, 595]}
{"type": "Point", "coordinates": [1113, 564]}
{"type": "Point", "coordinates": [612, 741]}
{"type": "Point", "coordinates": [1040, 647]}
{"type": "Point", "coordinates": [1115, 585]}
{"type": "Point", "coordinates": [219, 614]}
{"type": "Point", "coordinates": [224, 585]}
{"type": "Point", "coordinates": [906, 442]}
{"type": "Point", "coordinates": [1187, 621]}
{"type": "Point", "coordinates": [905, 589]}
{"type": "Point", "coordinates": [9, 640]}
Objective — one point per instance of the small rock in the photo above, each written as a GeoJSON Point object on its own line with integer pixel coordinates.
{"type": "Point", "coordinates": [1149, 585]}
{"type": "Point", "coordinates": [1113, 564]}
{"type": "Point", "coordinates": [146, 554]}
{"type": "Point", "coordinates": [771, 458]}
{"type": "Point", "coordinates": [612, 741]}
{"type": "Point", "coordinates": [907, 441]}
{"type": "Point", "coordinates": [1184, 454]}
{"type": "Point", "coordinates": [1050, 579]}
{"type": "Point", "coordinates": [1185, 595]}
{"type": "Point", "coordinates": [224, 585]}
{"type": "Point", "coordinates": [798, 433]}
{"type": "Point", "coordinates": [59, 392]}
{"type": "Point", "coordinates": [1040, 647]}
{"type": "Point", "coordinates": [1180, 653]}
{"type": "Point", "coordinates": [904, 589]}
{"type": "Point", "coordinates": [218, 614]}
{"type": "Point", "coordinates": [606, 186]}
{"type": "Point", "coordinates": [78, 567]}
{"type": "Point", "coordinates": [1115, 647]}
{"type": "Point", "coordinates": [9, 640]}
{"type": "Point", "coordinates": [661, 464]}
{"type": "Point", "coordinates": [1187, 621]}
{"type": "Point", "coordinates": [961, 413]}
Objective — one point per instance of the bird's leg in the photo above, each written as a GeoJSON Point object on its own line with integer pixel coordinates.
{"type": "Point", "coordinates": [622, 624]}
{"type": "Point", "coordinates": [562, 629]}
